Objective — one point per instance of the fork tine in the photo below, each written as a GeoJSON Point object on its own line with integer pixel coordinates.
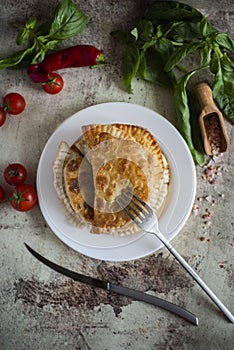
{"type": "Point", "coordinates": [145, 205]}
{"type": "Point", "coordinates": [139, 217]}
{"type": "Point", "coordinates": [134, 218]}
{"type": "Point", "coordinates": [124, 203]}
{"type": "Point", "coordinates": [133, 206]}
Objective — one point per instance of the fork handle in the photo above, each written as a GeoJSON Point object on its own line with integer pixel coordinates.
{"type": "Point", "coordinates": [203, 285]}
{"type": "Point", "coordinates": [195, 276]}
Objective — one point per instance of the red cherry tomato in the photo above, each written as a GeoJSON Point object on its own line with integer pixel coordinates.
{"type": "Point", "coordinates": [14, 103]}
{"type": "Point", "coordinates": [54, 84]}
{"type": "Point", "coordinates": [23, 197]}
{"type": "Point", "coordinates": [2, 194]}
{"type": "Point", "coordinates": [2, 116]}
{"type": "Point", "coordinates": [15, 174]}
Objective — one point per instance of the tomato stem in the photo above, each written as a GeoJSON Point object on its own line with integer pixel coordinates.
{"type": "Point", "coordinates": [17, 197]}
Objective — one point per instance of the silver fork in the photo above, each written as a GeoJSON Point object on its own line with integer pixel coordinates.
{"type": "Point", "coordinates": [144, 217]}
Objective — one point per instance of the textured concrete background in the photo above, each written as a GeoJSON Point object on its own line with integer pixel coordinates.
{"type": "Point", "coordinates": [40, 309]}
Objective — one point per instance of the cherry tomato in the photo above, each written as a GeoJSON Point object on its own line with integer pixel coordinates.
{"type": "Point", "coordinates": [2, 116]}
{"type": "Point", "coordinates": [14, 103]}
{"type": "Point", "coordinates": [15, 174]}
{"type": "Point", "coordinates": [23, 197]}
{"type": "Point", "coordinates": [54, 84]}
{"type": "Point", "coordinates": [2, 194]}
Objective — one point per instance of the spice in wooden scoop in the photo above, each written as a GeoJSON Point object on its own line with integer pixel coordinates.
{"type": "Point", "coordinates": [213, 133]}
{"type": "Point", "coordinates": [213, 130]}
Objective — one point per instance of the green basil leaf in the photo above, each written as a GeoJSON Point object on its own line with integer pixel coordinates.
{"type": "Point", "coordinates": [130, 65]}
{"type": "Point", "coordinates": [204, 27]}
{"type": "Point", "coordinates": [205, 54]}
{"type": "Point", "coordinates": [134, 33]}
{"type": "Point", "coordinates": [169, 11]}
{"type": "Point", "coordinates": [16, 58]}
{"type": "Point", "coordinates": [225, 41]}
{"type": "Point", "coordinates": [195, 111]}
{"type": "Point", "coordinates": [180, 54]}
{"type": "Point", "coordinates": [184, 32]}
{"type": "Point", "coordinates": [153, 39]}
{"type": "Point", "coordinates": [145, 29]}
{"type": "Point", "coordinates": [149, 44]}
{"type": "Point", "coordinates": [39, 57]}
{"type": "Point", "coordinates": [52, 45]}
{"type": "Point", "coordinates": [223, 87]}
{"type": "Point", "coordinates": [24, 32]}
{"type": "Point", "coordinates": [214, 64]}
{"type": "Point", "coordinates": [68, 21]}
{"type": "Point", "coordinates": [183, 116]}
{"type": "Point", "coordinates": [22, 36]}
{"type": "Point", "coordinates": [31, 23]}
{"type": "Point", "coordinates": [151, 68]}
{"type": "Point", "coordinates": [166, 48]}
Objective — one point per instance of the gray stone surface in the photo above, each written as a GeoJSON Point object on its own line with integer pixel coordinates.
{"type": "Point", "coordinates": [40, 309]}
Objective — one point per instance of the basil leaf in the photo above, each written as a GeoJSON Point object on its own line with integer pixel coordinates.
{"type": "Point", "coordinates": [52, 45]}
{"type": "Point", "coordinates": [145, 29]}
{"type": "Point", "coordinates": [24, 32]}
{"type": "Point", "coordinates": [134, 33]}
{"type": "Point", "coordinates": [223, 87]}
{"type": "Point", "coordinates": [151, 68]}
{"type": "Point", "coordinates": [194, 109]}
{"type": "Point", "coordinates": [31, 23]}
{"type": "Point", "coordinates": [183, 116]}
{"type": "Point", "coordinates": [204, 27]}
{"type": "Point", "coordinates": [214, 64]}
{"type": "Point", "coordinates": [39, 57]}
{"type": "Point", "coordinates": [68, 21]}
{"type": "Point", "coordinates": [185, 32]}
{"type": "Point", "coordinates": [225, 41]}
{"type": "Point", "coordinates": [166, 48]}
{"type": "Point", "coordinates": [22, 36]}
{"type": "Point", "coordinates": [149, 44]}
{"type": "Point", "coordinates": [169, 11]}
{"type": "Point", "coordinates": [180, 54]}
{"type": "Point", "coordinates": [130, 65]}
{"type": "Point", "coordinates": [205, 54]}
{"type": "Point", "coordinates": [16, 58]}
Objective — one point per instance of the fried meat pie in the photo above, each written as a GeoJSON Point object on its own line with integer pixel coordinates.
{"type": "Point", "coordinates": [103, 162]}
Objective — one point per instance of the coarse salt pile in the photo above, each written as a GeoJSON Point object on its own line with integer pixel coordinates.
{"type": "Point", "coordinates": [212, 171]}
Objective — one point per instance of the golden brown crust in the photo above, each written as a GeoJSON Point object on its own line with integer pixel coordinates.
{"type": "Point", "coordinates": [69, 167]}
{"type": "Point", "coordinates": [143, 137]}
{"type": "Point", "coordinates": [122, 156]}
{"type": "Point", "coordinates": [77, 176]}
{"type": "Point", "coordinates": [102, 163]}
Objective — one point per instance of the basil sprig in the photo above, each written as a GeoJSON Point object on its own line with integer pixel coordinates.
{"type": "Point", "coordinates": [68, 21]}
{"type": "Point", "coordinates": [157, 48]}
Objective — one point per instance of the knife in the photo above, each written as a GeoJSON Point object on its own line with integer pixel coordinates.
{"type": "Point", "coordinates": [110, 287]}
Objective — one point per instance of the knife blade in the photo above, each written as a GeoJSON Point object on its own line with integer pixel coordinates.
{"type": "Point", "coordinates": [110, 287]}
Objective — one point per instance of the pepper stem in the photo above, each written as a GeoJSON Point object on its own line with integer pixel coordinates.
{"type": "Point", "coordinates": [100, 61]}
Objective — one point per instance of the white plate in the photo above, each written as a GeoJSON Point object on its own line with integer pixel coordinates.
{"type": "Point", "coordinates": [181, 189]}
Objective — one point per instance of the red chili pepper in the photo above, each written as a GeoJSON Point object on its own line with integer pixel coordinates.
{"type": "Point", "coordinates": [75, 56]}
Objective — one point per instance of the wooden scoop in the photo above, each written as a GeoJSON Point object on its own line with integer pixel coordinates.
{"type": "Point", "coordinates": [213, 130]}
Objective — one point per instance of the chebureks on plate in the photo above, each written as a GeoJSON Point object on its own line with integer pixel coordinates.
{"type": "Point", "coordinates": [106, 160]}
